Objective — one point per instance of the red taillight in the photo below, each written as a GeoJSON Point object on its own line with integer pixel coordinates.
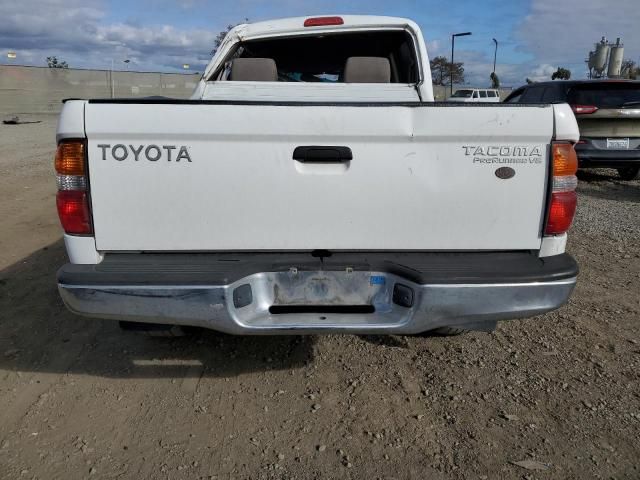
{"type": "Point", "coordinates": [584, 109]}
{"type": "Point", "coordinates": [323, 21]}
{"type": "Point", "coordinates": [561, 212]}
{"type": "Point", "coordinates": [72, 199]}
{"type": "Point", "coordinates": [73, 210]}
{"type": "Point", "coordinates": [563, 203]}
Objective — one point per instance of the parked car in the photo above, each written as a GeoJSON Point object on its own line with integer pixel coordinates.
{"type": "Point", "coordinates": [274, 203]}
{"type": "Point", "coordinates": [608, 115]}
{"type": "Point", "coordinates": [471, 95]}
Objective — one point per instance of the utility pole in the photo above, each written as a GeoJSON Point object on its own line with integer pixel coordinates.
{"type": "Point", "coordinates": [453, 38]}
{"type": "Point", "coordinates": [495, 55]}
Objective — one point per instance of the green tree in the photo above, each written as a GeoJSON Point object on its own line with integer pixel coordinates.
{"type": "Point", "coordinates": [441, 70]}
{"type": "Point", "coordinates": [53, 62]}
{"type": "Point", "coordinates": [561, 74]}
{"type": "Point", "coordinates": [495, 81]}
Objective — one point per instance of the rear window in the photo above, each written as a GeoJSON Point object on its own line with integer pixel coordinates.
{"type": "Point", "coordinates": [532, 95]}
{"type": "Point", "coordinates": [322, 58]}
{"type": "Point", "coordinates": [552, 94]}
{"type": "Point", "coordinates": [463, 94]}
{"type": "Point", "coordinates": [606, 95]}
{"type": "Point", "coordinates": [515, 97]}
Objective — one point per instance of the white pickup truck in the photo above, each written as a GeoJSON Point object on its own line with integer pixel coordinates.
{"type": "Point", "coordinates": [312, 185]}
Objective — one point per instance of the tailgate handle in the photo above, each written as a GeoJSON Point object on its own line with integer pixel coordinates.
{"type": "Point", "coordinates": [322, 154]}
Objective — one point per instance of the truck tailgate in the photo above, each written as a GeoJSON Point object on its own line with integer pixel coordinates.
{"type": "Point", "coordinates": [204, 176]}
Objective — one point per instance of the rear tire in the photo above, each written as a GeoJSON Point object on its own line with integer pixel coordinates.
{"type": "Point", "coordinates": [449, 331]}
{"type": "Point", "coordinates": [629, 173]}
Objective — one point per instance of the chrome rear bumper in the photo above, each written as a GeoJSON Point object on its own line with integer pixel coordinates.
{"type": "Point", "coordinates": [345, 301]}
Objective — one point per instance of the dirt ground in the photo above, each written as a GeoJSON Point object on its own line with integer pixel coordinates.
{"type": "Point", "coordinates": [555, 397]}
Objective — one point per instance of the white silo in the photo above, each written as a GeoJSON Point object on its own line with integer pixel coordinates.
{"type": "Point", "coordinates": [615, 60]}
{"type": "Point", "coordinates": [600, 57]}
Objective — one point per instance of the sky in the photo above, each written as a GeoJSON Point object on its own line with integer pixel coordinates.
{"type": "Point", "coordinates": [534, 36]}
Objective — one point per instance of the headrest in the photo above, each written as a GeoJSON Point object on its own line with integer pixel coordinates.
{"type": "Point", "coordinates": [253, 70]}
{"type": "Point", "coordinates": [367, 70]}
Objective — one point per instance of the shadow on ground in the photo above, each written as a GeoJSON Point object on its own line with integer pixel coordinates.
{"type": "Point", "coordinates": [38, 334]}
{"type": "Point", "coordinates": [598, 175]}
{"type": "Point", "coordinates": [607, 187]}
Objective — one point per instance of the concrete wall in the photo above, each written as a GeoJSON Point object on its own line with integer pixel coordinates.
{"type": "Point", "coordinates": [31, 90]}
{"type": "Point", "coordinates": [34, 90]}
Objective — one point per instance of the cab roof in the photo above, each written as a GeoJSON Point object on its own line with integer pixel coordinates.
{"type": "Point", "coordinates": [296, 25]}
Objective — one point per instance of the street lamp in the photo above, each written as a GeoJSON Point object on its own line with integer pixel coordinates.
{"type": "Point", "coordinates": [127, 61]}
{"type": "Point", "coordinates": [495, 54]}
{"type": "Point", "coordinates": [453, 38]}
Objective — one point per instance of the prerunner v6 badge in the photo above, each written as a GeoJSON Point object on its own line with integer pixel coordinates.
{"type": "Point", "coordinates": [504, 154]}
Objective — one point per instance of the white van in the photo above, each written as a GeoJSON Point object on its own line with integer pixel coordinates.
{"type": "Point", "coordinates": [475, 95]}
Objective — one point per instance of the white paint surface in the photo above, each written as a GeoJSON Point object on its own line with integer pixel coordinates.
{"type": "Point", "coordinates": [409, 186]}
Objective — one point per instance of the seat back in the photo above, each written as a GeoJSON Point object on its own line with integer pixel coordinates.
{"type": "Point", "coordinates": [253, 70]}
{"type": "Point", "coordinates": [367, 70]}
